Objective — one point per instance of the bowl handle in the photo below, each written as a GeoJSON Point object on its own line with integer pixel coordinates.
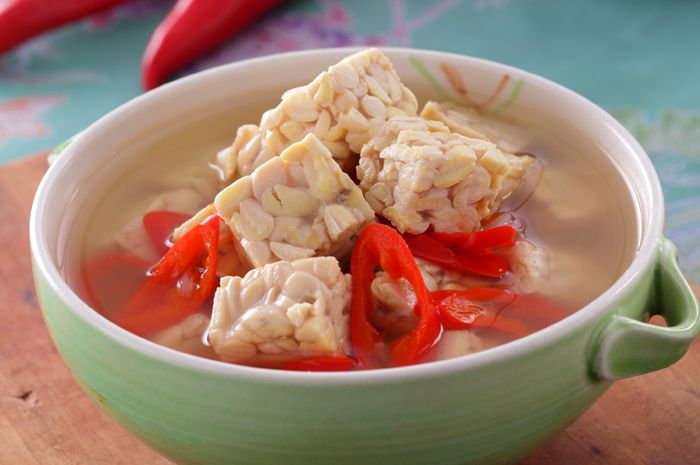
{"type": "Point", "coordinates": [628, 347]}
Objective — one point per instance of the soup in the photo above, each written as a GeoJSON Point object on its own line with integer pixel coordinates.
{"type": "Point", "coordinates": [352, 231]}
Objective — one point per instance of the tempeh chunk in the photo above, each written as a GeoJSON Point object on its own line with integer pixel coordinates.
{"type": "Point", "coordinates": [282, 311]}
{"type": "Point", "coordinates": [418, 174]}
{"type": "Point", "coordinates": [343, 107]}
{"type": "Point", "coordinates": [461, 120]}
{"type": "Point", "coordinates": [186, 336]}
{"type": "Point", "coordinates": [295, 206]}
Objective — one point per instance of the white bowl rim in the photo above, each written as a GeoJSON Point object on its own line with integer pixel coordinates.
{"type": "Point", "coordinates": [646, 253]}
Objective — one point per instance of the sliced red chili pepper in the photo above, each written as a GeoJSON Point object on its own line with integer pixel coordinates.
{"type": "Point", "coordinates": [193, 27]}
{"type": "Point", "coordinates": [178, 284]}
{"type": "Point", "coordinates": [525, 315]}
{"type": "Point", "coordinates": [480, 307]}
{"type": "Point", "coordinates": [423, 246]}
{"type": "Point", "coordinates": [380, 245]}
{"type": "Point", "coordinates": [23, 19]}
{"type": "Point", "coordinates": [159, 225]}
{"type": "Point", "coordinates": [328, 363]}
{"type": "Point", "coordinates": [457, 309]}
{"type": "Point", "coordinates": [458, 313]}
{"type": "Point", "coordinates": [537, 310]}
{"type": "Point", "coordinates": [504, 324]}
{"type": "Point", "coordinates": [498, 237]}
{"type": "Point", "coordinates": [485, 264]}
{"type": "Point", "coordinates": [496, 309]}
{"type": "Point", "coordinates": [110, 279]}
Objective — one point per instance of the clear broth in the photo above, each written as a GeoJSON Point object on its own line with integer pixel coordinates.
{"type": "Point", "coordinates": [581, 212]}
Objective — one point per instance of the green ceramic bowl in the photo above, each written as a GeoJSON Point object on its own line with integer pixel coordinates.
{"type": "Point", "coordinates": [492, 407]}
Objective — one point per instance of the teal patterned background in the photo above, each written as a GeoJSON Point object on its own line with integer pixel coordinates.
{"type": "Point", "coordinates": [638, 59]}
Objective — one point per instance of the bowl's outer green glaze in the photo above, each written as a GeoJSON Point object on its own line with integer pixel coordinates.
{"type": "Point", "coordinates": [489, 408]}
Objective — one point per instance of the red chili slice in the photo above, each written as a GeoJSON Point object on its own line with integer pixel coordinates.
{"type": "Point", "coordinates": [499, 237]}
{"type": "Point", "coordinates": [380, 245]}
{"type": "Point", "coordinates": [516, 314]}
{"type": "Point", "coordinates": [480, 307]}
{"type": "Point", "coordinates": [110, 279]}
{"type": "Point", "coordinates": [485, 264]}
{"type": "Point", "coordinates": [328, 363]}
{"type": "Point", "coordinates": [177, 285]}
{"type": "Point", "coordinates": [538, 311]}
{"type": "Point", "coordinates": [159, 226]}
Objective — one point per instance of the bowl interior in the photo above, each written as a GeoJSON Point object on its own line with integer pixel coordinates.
{"type": "Point", "coordinates": [183, 124]}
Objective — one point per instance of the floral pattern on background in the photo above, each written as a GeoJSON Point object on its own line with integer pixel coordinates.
{"type": "Point", "coordinates": [57, 84]}
{"type": "Point", "coordinates": [21, 117]}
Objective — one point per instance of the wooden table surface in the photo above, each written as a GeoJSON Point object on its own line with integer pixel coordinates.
{"type": "Point", "coordinates": [46, 419]}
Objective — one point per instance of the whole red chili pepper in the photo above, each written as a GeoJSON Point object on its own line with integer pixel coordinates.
{"type": "Point", "coordinates": [23, 19]}
{"type": "Point", "coordinates": [380, 245]}
{"type": "Point", "coordinates": [178, 284]}
{"type": "Point", "coordinates": [193, 27]}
